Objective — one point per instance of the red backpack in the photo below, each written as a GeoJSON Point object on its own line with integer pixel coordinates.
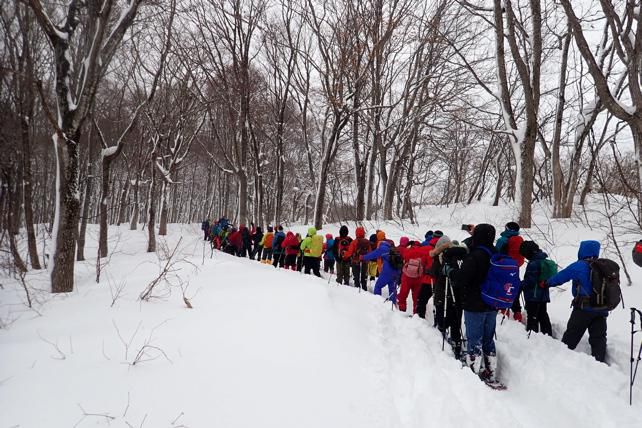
{"type": "Point", "coordinates": [343, 243]}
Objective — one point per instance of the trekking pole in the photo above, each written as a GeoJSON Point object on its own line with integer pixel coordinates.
{"type": "Point", "coordinates": [633, 372]}
{"type": "Point", "coordinates": [203, 253]}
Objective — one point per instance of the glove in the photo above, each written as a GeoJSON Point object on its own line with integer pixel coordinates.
{"type": "Point", "coordinates": [517, 316]}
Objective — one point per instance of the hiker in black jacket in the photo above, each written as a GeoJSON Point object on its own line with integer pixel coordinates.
{"type": "Point", "coordinates": [479, 318]}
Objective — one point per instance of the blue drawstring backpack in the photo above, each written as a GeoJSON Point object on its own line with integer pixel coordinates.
{"type": "Point", "coordinates": [502, 285]}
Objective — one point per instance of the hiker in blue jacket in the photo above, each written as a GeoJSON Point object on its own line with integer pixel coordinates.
{"type": "Point", "coordinates": [389, 275]}
{"type": "Point", "coordinates": [583, 317]}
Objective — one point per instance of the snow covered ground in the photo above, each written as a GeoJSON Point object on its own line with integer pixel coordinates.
{"type": "Point", "coordinates": [271, 348]}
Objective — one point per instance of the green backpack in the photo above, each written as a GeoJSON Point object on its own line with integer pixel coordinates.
{"type": "Point", "coordinates": [548, 268]}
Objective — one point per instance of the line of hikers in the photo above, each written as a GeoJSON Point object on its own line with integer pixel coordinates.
{"type": "Point", "coordinates": [474, 278]}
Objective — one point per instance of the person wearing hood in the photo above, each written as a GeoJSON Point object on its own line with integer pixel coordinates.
{"type": "Point", "coordinates": [427, 238]}
{"type": "Point", "coordinates": [480, 319]}
{"type": "Point", "coordinates": [234, 242]}
{"type": "Point", "coordinates": [381, 237]}
{"type": "Point", "coordinates": [299, 257]}
{"type": "Point", "coordinates": [534, 287]}
{"type": "Point", "coordinates": [389, 275]}
{"type": "Point", "coordinates": [290, 246]}
{"type": "Point", "coordinates": [416, 261]}
{"type": "Point", "coordinates": [509, 243]}
{"type": "Point", "coordinates": [583, 317]}
{"type": "Point", "coordinates": [359, 247]}
{"type": "Point", "coordinates": [341, 245]}
{"type": "Point", "coordinates": [278, 254]}
{"type": "Point", "coordinates": [257, 249]}
{"type": "Point", "coordinates": [312, 247]}
{"type": "Point", "coordinates": [328, 254]}
{"type": "Point", "coordinates": [266, 243]}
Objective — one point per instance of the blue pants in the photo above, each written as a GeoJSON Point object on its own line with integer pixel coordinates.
{"type": "Point", "coordinates": [480, 332]}
{"type": "Point", "coordinates": [391, 282]}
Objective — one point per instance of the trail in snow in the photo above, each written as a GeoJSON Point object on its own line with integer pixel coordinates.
{"type": "Point", "coordinates": [273, 348]}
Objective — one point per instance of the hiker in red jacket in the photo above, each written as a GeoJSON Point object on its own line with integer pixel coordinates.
{"type": "Point", "coordinates": [416, 262]}
{"type": "Point", "coordinates": [359, 247]}
{"type": "Point", "coordinates": [291, 246]}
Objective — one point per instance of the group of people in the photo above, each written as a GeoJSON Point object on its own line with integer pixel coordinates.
{"type": "Point", "coordinates": [453, 273]}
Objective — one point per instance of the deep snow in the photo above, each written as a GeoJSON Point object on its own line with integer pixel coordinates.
{"type": "Point", "coordinates": [272, 348]}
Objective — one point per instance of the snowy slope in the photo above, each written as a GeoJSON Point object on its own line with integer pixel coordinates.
{"type": "Point", "coordinates": [271, 348]}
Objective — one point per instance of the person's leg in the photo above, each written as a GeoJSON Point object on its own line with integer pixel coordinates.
{"type": "Point", "coordinates": [488, 341]}
{"type": "Point", "coordinates": [474, 335]}
{"type": "Point", "coordinates": [424, 295]}
{"type": "Point", "coordinates": [403, 292]}
{"type": "Point", "coordinates": [307, 265]}
{"type": "Point", "coordinates": [356, 271]}
{"type": "Point", "coordinates": [575, 328]}
{"type": "Point", "coordinates": [544, 320]}
{"type": "Point", "coordinates": [378, 286]}
{"type": "Point", "coordinates": [532, 316]}
{"type": "Point", "coordinates": [597, 337]}
{"type": "Point", "coordinates": [316, 266]}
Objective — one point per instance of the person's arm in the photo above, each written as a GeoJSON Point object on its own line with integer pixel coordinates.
{"type": "Point", "coordinates": [531, 276]}
{"type": "Point", "coordinates": [571, 272]}
{"type": "Point", "coordinates": [350, 251]}
{"type": "Point", "coordinates": [373, 255]}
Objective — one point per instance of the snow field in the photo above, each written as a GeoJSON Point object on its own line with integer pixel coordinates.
{"type": "Point", "coordinates": [272, 348]}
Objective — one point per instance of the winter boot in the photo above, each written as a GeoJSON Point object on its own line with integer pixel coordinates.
{"type": "Point", "coordinates": [457, 350]}
{"type": "Point", "coordinates": [474, 362]}
{"type": "Point", "coordinates": [490, 368]}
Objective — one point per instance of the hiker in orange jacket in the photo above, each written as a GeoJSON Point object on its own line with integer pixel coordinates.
{"type": "Point", "coordinates": [358, 247]}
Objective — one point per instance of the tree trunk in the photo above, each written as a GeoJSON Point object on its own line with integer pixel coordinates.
{"type": "Point", "coordinates": [87, 194]}
{"type": "Point", "coordinates": [162, 228]}
{"type": "Point", "coordinates": [104, 206]}
{"type": "Point", "coordinates": [67, 215]}
{"type": "Point", "coordinates": [28, 194]}
{"type": "Point", "coordinates": [124, 199]}
{"type": "Point", "coordinates": [151, 208]}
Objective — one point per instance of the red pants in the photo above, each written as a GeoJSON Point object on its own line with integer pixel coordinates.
{"type": "Point", "coordinates": [408, 285]}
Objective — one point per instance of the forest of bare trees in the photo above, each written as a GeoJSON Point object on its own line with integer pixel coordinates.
{"type": "Point", "coordinates": [149, 112]}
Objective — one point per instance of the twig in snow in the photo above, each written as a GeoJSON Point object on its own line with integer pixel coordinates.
{"type": "Point", "coordinates": [61, 355]}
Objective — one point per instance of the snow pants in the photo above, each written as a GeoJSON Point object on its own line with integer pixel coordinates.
{"type": "Point", "coordinates": [422, 301]}
{"type": "Point", "coordinates": [578, 323]}
{"type": "Point", "coordinates": [278, 259]}
{"type": "Point", "coordinates": [328, 265]}
{"type": "Point", "coordinates": [290, 261]}
{"type": "Point", "coordinates": [480, 332]}
{"type": "Point", "coordinates": [360, 274]}
{"type": "Point", "coordinates": [409, 285]}
{"type": "Point", "coordinates": [343, 272]}
{"type": "Point", "coordinates": [312, 264]}
{"type": "Point", "coordinates": [537, 318]}
{"type": "Point", "coordinates": [257, 251]}
{"type": "Point", "coordinates": [390, 281]}
{"type": "Point", "coordinates": [267, 254]}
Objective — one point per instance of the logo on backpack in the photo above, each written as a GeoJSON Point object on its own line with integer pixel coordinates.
{"type": "Point", "coordinates": [502, 285]}
{"type": "Point", "coordinates": [605, 283]}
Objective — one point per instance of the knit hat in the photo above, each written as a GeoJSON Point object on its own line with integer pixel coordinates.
{"type": "Point", "coordinates": [528, 249]}
{"type": "Point", "coordinates": [438, 234]}
{"type": "Point", "coordinates": [270, 229]}
{"type": "Point", "coordinates": [484, 234]}
{"type": "Point", "coordinates": [428, 235]}
{"type": "Point", "coordinates": [443, 241]}
{"type": "Point", "coordinates": [511, 225]}
{"type": "Point", "coordinates": [373, 238]}
{"type": "Point", "coordinates": [328, 236]}
{"type": "Point", "coordinates": [403, 241]}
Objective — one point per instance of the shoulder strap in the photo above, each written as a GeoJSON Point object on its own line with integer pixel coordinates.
{"type": "Point", "coordinates": [486, 250]}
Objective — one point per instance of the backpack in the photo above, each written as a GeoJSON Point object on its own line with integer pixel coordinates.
{"type": "Point", "coordinates": [605, 282]}
{"type": "Point", "coordinates": [637, 253]}
{"type": "Point", "coordinates": [342, 246]}
{"type": "Point", "coordinates": [502, 285]}
{"type": "Point", "coordinates": [395, 259]}
{"type": "Point", "coordinates": [363, 248]}
{"type": "Point", "coordinates": [413, 268]}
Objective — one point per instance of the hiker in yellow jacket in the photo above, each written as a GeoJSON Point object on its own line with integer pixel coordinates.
{"type": "Point", "coordinates": [312, 247]}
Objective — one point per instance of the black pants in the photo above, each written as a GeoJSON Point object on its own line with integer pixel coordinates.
{"type": "Point", "coordinates": [343, 272]}
{"type": "Point", "coordinates": [517, 306]}
{"type": "Point", "coordinates": [537, 318]}
{"type": "Point", "coordinates": [278, 259]}
{"type": "Point", "coordinates": [299, 263]}
{"type": "Point", "coordinates": [267, 254]}
{"type": "Point", "coordinates": [360, 274]}
{"type": "Point", "coordinates": [312, 263]}
{"type": "Point", "coordinates": [578, 323]}
{"type": "Point", "coordinates": [290, 261]}
{"type": "Point", "coordinates": [422, 302]}
{"type": "Point", "coordinates": [257, 251]}
{"type": "Point", "coordinates": [328, 265]}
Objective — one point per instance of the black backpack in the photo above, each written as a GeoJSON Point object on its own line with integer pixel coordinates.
{"type": "Point", "coordinates": [637, 253]}
{"type": "Point", "coordinates": [605, 281]}
{"type": "Point", "coordinates": [395, 259]}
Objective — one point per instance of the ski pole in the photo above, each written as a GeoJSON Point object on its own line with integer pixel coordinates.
{"type": "Point", "coordinates": [632, 371]}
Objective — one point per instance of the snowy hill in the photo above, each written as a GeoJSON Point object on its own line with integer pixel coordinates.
{"type": "Point", "coordinates": [271, 348]}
